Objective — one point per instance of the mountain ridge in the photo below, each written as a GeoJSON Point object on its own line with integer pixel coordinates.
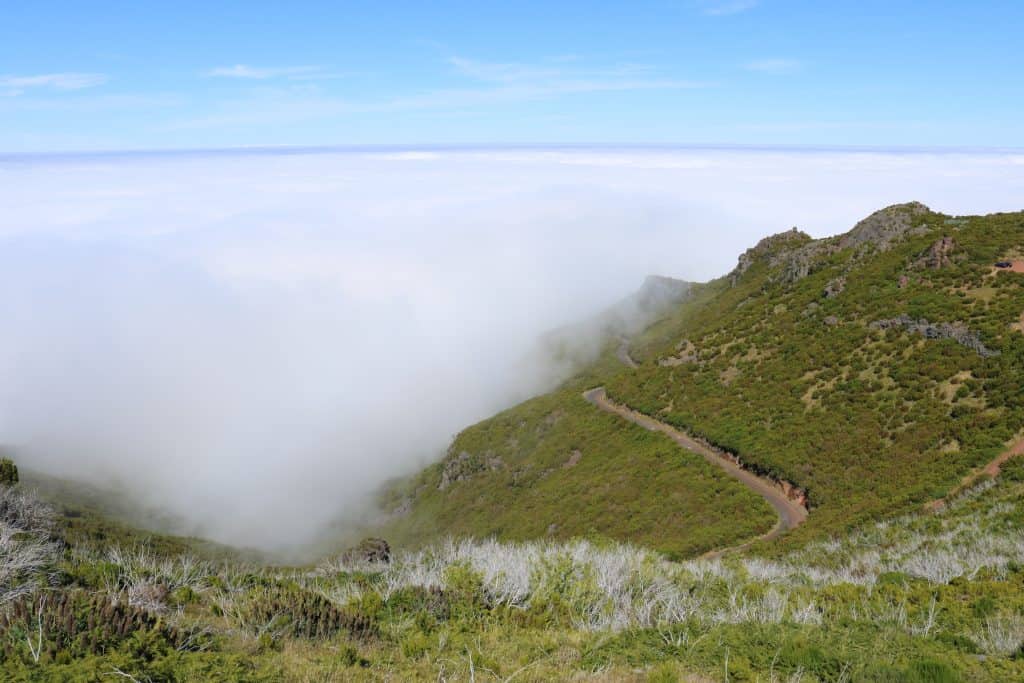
{"type": "Point", "coordinates": [790, 304]}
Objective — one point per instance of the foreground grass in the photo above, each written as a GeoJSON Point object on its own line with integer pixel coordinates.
{"type": "Point", "coordinates": [919, 598]}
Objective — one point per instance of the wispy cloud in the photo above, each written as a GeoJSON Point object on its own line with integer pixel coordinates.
{"type": "Point", "coordinates": [16, 85]}
{"type": "Point", "coordinates": [564, 76]}
{"type": "Point", "coordinates": [718, 8]}
{"type": "Point", "coordinates": [258, 73]}
{"type": "Point", "coordinates": [488, 84]}
{"type": "Point", "coordinates": [503, 72]}
{"type": "Point", "coordinates": [773, 66]}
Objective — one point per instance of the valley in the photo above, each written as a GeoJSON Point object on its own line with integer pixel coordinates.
{"type": "Point", "coordinates": [804, 470]}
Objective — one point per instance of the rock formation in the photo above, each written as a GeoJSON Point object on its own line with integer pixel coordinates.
{"type": "Point", "coordinates": [958, 332]}
{"type": "Point", "coordinates": [884, 227]}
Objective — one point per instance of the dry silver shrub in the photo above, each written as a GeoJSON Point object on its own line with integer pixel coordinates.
{"type": "Point", "coordinates": [633, 587]}
{"type": "Point", "coordinates": [146, 579]}
{"type": "Point", "coordinates": [1003, 635]}
{"type": "Point", "coordinates": [25, 546]}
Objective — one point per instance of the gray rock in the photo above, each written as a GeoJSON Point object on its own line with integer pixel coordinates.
{"type": "Point", "coordinates": [883, 228]}
{"type": "Point", "coordinates": [797, 255]}
{"type": "Point", "coordinates": [771, 248]}
{"type": "Point", "coordinates": [369, 551]}
{"type": "Point", "coordinates": [834, 287]}
{"type": "Point", "coordinates": [938, 255]}
{"type": "Point", "coordinates": [958, 332]}
{"type": "Point", "coordinates": [455, 469]}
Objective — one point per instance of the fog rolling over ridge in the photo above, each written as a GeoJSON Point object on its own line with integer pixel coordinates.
{"type": "Point", "coordinates": [254, 343]}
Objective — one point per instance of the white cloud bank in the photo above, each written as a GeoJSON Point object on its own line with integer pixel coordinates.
{"type": "Point", "coordinates": [253, 343]}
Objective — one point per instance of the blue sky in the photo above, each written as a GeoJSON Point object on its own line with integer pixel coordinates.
{"type": "Point", "coordinates": [129, 75]}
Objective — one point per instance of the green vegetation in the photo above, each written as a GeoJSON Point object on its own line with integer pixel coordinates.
{"type": "Point", "coordinates": [924, 597]}
{"type": "Point", "coordinates": [876, 370]}
{"type": "Point", "coordinates": [804, 387]}
{"type": "Point", "coordinates": [782, 364]}
{"type": "Point", "coordinates": [555, 467]}
{"type": "Point", "coordinates": [8, 472]}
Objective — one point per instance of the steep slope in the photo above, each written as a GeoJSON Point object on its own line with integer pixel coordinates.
{"type": "Point", "coordinates": [555, 467]}
{"type": "Point", "coordinates": [552, 467]}
{"type": "Point", "coordinates": [935, 595]}
{"type": "Point", "coordinates": [89, 517]}
{"type": "Point", "coordinates": [874, 370]}
{"type": "Point", "coordinates": [788, 501]}
{"type": "Point", "coordinates": [576, 347]}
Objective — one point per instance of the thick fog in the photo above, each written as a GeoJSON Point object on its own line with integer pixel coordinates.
{"type": "Point", "coordinates": [254, 342]}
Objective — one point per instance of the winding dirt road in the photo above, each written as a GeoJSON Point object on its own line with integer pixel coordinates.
{"type": "Point", "coordinates": [992, 469]}
{"type": "Point", "coordinates": [791, 512]}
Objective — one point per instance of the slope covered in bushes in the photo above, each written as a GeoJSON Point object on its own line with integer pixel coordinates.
{"type": "Point", "coordinates": [873, 369]}
{"type": "Point", "coordinates": [556, 468]}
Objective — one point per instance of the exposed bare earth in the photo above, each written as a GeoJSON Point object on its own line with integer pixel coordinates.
{"type": "Point", "coordinates": [787, 500]}
{"type": "Point", "coordinates": [991, 469]}
{"type": "Point", "coordinates": [622, 352]}
{"type": "Point", "coordinates": [1016, 266]}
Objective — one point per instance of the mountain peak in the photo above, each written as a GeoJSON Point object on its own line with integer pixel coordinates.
{"type": "Point", "coordinates": [884, 226]}
{"type": "Point", "coordinates": [771, 248]}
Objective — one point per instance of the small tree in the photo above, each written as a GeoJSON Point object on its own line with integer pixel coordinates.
{"type": "Point", "coordinates": [8, 472]}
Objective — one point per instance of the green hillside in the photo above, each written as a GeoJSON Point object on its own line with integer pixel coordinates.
{"type": "Point", "coordinates": [555, 467]}
{"type": "Point", "coordinates": [874, 369]}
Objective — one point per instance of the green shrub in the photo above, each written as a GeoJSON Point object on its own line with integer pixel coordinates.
{"type": "Point", "coordinates": [288, 609]}
{"type": "Point", "coordinates": [8, 472]}
{"type": "Point", "coordinates": [1013, 469]}
{"type": "Point", "coordinates": [931, 671]}
{"type": "Point", "coordinates": [78, 624]}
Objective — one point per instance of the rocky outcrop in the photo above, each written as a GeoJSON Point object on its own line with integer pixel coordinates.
{"type": "Point", "coordinates": [772, 248]}
{"type": "Point", "coordinates": [938, 255]}
{"type": "Point", "coordinates": [793, 253]}
{"type": "Point", "coordinates": [885, 227]}
{"type": "Point", "coordinates": [796, 255]}
{"type": "Point", "coordinates": [464, 465]}
{"type": "Point", "coordinates": [804, 260]}
{"type": "Point", "coordinates": [369, 551]}
{"type": "Point", "coordinates": [958, 332]}
{"type": "Point", "coordinates": [686, 353]}
{"type": "Point", "coordinates": [834, 287]}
